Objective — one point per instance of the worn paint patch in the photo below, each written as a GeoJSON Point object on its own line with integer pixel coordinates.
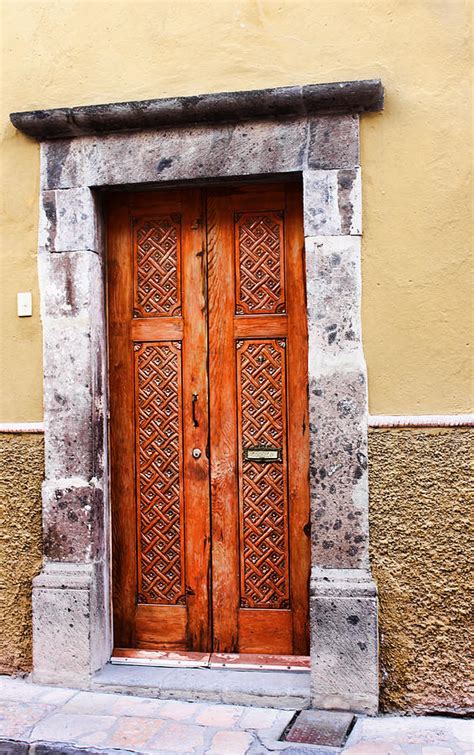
{"type": "Point", "coordinates": [21, 464]}
{"type": "Point", "coordinates": [419, 520]}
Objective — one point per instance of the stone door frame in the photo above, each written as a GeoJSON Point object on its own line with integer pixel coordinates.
{"type": "Point", "coordinates": [312, 132]}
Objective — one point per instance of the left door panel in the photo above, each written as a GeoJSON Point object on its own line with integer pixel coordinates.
{"type": "Point", "coordinates": [157, 312]}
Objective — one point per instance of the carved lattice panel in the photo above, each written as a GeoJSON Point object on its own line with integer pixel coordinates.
{"type": "Point", "coordinates": [261, 369]}
{"type": "Point", "coordinates": [259, 261]}
{"type": "Point", "coordinates": [157, 266]}
{"type": "Point", "coordinates": [159, 478]}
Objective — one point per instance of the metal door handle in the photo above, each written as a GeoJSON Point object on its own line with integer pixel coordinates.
{"type": "Point", "coordinates": [195, 398]}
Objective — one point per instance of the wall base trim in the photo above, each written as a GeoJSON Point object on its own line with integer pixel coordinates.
{"type": "Point", "coordinates": [421, 420]}
{"type": "Point", "coordinates": [21, 427]}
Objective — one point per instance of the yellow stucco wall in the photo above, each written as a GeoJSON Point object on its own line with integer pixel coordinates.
{"type": "Point", "coordinates": [415, 155]}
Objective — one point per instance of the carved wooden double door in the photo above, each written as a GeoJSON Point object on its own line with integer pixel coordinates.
{"type": "Point", "coordinates": [208, 423]}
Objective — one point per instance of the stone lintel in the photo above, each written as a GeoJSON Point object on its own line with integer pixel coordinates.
{"type": "Point", "coordinates": [202, 153]}
{"type": "Point", "coordinates": [301, 101]}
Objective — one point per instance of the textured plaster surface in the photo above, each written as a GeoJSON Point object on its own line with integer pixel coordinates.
{"type": "Point", "coordinates": [421, 559]}
{"type": "Point", "coordinates": [21, 465]}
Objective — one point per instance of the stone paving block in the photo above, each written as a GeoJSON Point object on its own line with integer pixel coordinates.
{"type": "Point", "coordinates": [113, 705]}
{"type": "Point", "coordinates": [463, 730]}
{"type": "Point", "coordinates": [374, 748]}
{"type": "Point", "coordinates": [17, 718]}
{"type": "Point", "coordinates": [219, 716]}
{"type": "Point", "coordinates": [260, 718]}
{"type": "Point", "coordinates": [24, 691]}
{"type": "Point", "coordinates": [411, 730]}
{"type": "Point", "coordinates": [178, 737]}
{"type": "Point", "coordinates": [230, 743]}
{"type": "Point", "coordinates": [81, 729]}
{"type": "Point", "coordinates": [133, 732]}
{"type": "Point", "coordinates": [178, 710]}
{"type": "Point", "coordinates": [268, 723]}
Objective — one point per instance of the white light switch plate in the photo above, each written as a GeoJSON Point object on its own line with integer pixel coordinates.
{"type": "Point", "coordinates": [24, 304]}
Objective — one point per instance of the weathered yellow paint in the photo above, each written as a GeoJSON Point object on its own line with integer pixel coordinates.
{"type": "Point", "coordinates": [414, 155]}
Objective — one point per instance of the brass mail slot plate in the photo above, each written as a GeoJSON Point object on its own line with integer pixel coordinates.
{"type": "Point", "coordinates": [262, 454]}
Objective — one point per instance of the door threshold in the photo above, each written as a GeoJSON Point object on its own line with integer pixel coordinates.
{"type": "Point", "coordinates": [231, 685]}
{"type": "Point", "coordinates": [236, 661]}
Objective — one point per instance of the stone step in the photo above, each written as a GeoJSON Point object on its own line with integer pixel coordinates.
{"type": "Point", "coordinates": [269, 689]}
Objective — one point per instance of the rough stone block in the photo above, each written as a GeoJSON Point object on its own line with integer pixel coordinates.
{"type": "Point", "coordinates": [333, 282]}
{"type": "Point", "coordinates": [337, 403]}
{"type": "Point", "coordinates": [68, 221]}
{"type": "Point", "coordinates": [71, 283]}
{"type": "Point", "coordinates": [344, 640]}
{"type": "Point", "coordinates": [332, 202]}
{"type": "Point", "coordinates": [69, 641]}
{"type": "Point", "coordinates": [333, 142]}
{"type": "Point", "coordinates": [338, 469]}
{"type": "Point", "coordinates": [73, 522]}
{"type": "Point", "coordinates": [69, 397]}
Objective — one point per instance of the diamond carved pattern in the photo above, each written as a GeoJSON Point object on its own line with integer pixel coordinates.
{"type": "Point", "coordinates": [160, 513]}
{"type": "Point", "coordinates": [260, 286]}
{"type": "Point", "coordinates": [263, 486]}
{"type": "Point", "coordinates": [157, 266]}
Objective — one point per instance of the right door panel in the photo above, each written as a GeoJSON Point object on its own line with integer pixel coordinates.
{"type": "Point", "coordinates": [258, 420]}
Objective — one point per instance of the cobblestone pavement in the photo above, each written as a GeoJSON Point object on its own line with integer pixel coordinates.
{"type": "Point", "coordinates": [93, 722]}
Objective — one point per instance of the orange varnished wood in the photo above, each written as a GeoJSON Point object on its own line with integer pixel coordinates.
{"type": "Point", "coordinates": [163, 627]}
{"type": "Point", "coordinates": [215, 316]}
{"type": "Point", "coordinates": [121, 425]}
{"type": "Point", "coordinates": [243, 617]}
{"type": "Point", "coordinates": [196, 425]}
{"type": "Point", "coordinates": [223, 439]}
{"type": "Point", "coordinates": [156, 606]}
{"type": "Point", "coordinates": [265, 631]}
{"type": "Point", "coordinates": [171, 329]}
{"type": "Point", "coordinates": [274, 326]}
{"type": "Point", "coordinates": [298, 422]}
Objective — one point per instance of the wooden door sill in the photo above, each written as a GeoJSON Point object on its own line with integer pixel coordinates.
{"type": "Point", "coordinates": [237, 661]}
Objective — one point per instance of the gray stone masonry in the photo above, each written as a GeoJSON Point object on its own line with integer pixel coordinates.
{"type": "Point", "coordinates": [310, 132]}
{"type": "Point", "coordinates": [281, 102]}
